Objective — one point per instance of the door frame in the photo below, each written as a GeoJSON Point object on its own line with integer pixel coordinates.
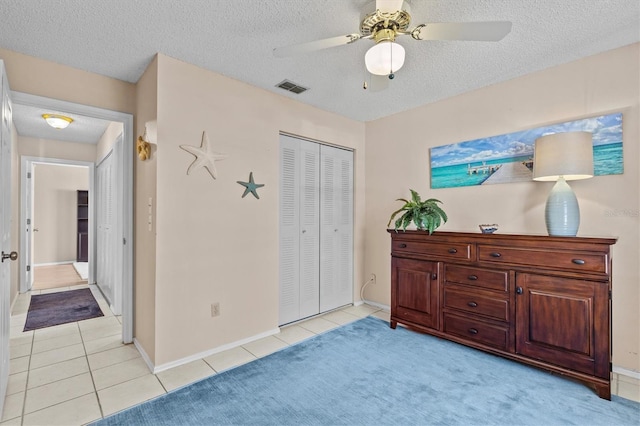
{"type": "Point", "coordinates": [26, 205]}
{"type": "Point", "coordinates": [125, 166]}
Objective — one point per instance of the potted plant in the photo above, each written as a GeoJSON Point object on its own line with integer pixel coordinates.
{"type": "Point", "coordinates": [426, 215]}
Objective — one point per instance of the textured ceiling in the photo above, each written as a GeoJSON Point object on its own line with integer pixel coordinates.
{"type": "Point", "coordinates": [118, 38]}
{"type": "Point", "coordinates": [29, 122]}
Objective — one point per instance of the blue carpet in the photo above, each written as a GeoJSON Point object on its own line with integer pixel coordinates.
{"type": "Point", "coordinates": [368, 374]}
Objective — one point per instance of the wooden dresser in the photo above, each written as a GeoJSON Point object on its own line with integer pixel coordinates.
{"type": "Point", "coordinates": [543, 301]}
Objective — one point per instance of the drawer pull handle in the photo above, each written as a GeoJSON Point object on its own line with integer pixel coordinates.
{"type": "Point", "coordinates": [473, 331]}
{"type": "Point", "coordinates": [495, 254]}
{"type": "Point", "coordinates": [453, 251]}
{"type": "Point", "coordinates": [472, 304]}
{"type": "Point", "coordinates": [578, 261]}
{"type": "Point", "coordinates": [473, 277]}
{"type": "Point", "coordinates": [402, 246]}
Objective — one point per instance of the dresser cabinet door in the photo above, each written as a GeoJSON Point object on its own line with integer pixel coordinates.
{"type": "Point", "coordinates": [564, 322]}
{"type": "Point", "coordinates": [415, 291]}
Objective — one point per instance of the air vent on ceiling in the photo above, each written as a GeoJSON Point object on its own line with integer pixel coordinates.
{"type": "Point", "coordinates": [291, 87]}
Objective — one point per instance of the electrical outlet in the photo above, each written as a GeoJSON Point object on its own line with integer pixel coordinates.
{"type": "Point", "coordinates": [215, 309]}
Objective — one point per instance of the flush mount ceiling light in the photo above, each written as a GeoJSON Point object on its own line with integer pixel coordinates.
{"type": "Point", "coordinates": [57, 121]}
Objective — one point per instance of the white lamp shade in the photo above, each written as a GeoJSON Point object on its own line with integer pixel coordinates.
{"type": "Point", "coordinates": [385, 58]}
{"type": "Point", "coordinates": [569, 155]}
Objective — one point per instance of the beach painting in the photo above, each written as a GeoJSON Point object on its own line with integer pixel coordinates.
{"type": "Point", "coordinates": [509, 158]}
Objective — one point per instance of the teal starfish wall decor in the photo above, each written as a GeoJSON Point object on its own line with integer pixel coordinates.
{"type": "Point", "coordinates": [251, 186]}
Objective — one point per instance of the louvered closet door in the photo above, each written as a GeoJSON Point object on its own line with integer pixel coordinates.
{"type": "Point", "coordinates": [299, 229]}
{"type": "Point", "coordinates": [336, 228]}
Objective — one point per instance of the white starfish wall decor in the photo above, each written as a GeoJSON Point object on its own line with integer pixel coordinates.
{"type": "Point", "coordinates": [205, 157]}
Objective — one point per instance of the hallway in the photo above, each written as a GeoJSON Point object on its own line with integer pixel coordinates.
{"type": "Point", "coordinates": [56, 276]}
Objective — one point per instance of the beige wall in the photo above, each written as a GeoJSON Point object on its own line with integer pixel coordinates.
{"type": "Point", "coordinates": [55, 211]}
{"type": "Point", "coordinates": [145, 238]}
{"type": "Point", "coordinates": [108, 139]}
{"type": "Point", "coordinates": [47, 148]}
{"type": "Point", "coordinates": [398, 159]}
{"type": "Point", "coordinates": [213, 245]}
{"type": "Point", "coordinates": [34, 76]}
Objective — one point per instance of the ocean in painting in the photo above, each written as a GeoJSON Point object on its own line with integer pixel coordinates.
{"type": "Point", "coordinates": [607, 160]}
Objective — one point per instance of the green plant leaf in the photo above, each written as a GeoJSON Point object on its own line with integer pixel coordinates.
{"type": "Point", "coordinates": [415, 196]}
{"type": "Point", "coordinates": [440, 212]}
{"type": "Point", "coordinates": [406, 221]}
{"type": "Point", "coordinates": [394, 214]}
{"type": "Point", "coordinates": [426, 215]}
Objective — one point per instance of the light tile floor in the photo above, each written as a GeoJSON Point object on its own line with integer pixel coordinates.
{"type": "Point", "coordinates": [76, 373]}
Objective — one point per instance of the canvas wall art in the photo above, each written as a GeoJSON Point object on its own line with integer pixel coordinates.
{"type": "Point", "coordinates": [509, 158]}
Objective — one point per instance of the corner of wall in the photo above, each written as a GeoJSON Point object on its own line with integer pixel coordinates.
{"type": "Point", "coordinates": [145, 173]}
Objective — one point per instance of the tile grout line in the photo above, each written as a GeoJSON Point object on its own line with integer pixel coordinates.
{"type": "Point", "coordinates": [26, 385]}
{"type": "Point", "coordinates": [93, 382]}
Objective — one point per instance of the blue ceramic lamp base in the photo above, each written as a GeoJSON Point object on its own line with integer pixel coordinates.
{"type": "Point", "coordinates": [562, 213]}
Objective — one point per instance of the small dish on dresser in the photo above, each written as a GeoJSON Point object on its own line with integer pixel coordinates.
{"type": "Point", "coordinates": [488, 229]}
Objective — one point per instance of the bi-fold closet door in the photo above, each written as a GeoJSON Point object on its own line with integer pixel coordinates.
{"type": "Point", "coordinates": [316, 228]}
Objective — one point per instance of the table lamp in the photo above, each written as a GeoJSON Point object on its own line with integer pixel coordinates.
{"type": "Point", "coordinates": [561, 157]}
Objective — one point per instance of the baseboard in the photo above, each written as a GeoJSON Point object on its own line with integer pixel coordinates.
{"type": "Point", "coordinates": [145, 357]}
{"type": "Point", "coordinates": [195, 357]}
{"type": "Point", "coordinates": [386, 308]}
{"type": "Point", "coordinates": [53, 263]}
{"type": "Point", "coordinates": [625, 372]}
{"type": "Point", "coordinates": [13, 302]}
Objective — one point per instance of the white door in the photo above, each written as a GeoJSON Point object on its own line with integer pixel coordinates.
{"type": "Point", "coordinates": [5, 232]}
{"type": "Point", "coordinates": [316, 211]}
{"type": "Point", "coordinates": [336, 228]}
{"type": "Point", "coordinates": [299, 229]}
{"type": "Point", "coordinates": [109, 248]}
{"type": "Point", "coordinates": [104, 228]}
{"type": "Point", "coordinates": [27, 281]}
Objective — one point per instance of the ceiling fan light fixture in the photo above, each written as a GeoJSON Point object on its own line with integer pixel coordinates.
{"type": "Point", "coordinates": [384, 58]}
{"type": "Point", "coordinates": [57, 121]}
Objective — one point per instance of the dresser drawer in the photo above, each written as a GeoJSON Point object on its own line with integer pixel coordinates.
{"type": "Point", "coordinates": [551, 259]}
{"type": "Point", "coordinates": [477, 331]}
{"type": "Point", "coordinates": [493, 280]}
{"type": "Point", "coordinates": [457, 297]}
{"type": "Point", "coordinates": [448, 250]}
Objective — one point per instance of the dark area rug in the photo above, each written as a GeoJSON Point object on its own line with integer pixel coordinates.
{"type": "Point", "coordinates": [47, 310]}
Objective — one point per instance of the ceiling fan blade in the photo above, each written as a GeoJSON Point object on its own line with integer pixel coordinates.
{"type": "Point", "coordinates": [312, 46]}
{"type": "Point", "coordinates": [470, 31]}
{"type": "Point", "coordinates": [389, 6]}
{"type": "Point", "coordinates": [378, 83]}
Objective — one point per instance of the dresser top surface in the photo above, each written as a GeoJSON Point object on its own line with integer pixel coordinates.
{"type": "Point", "coordinates": [478, 237]}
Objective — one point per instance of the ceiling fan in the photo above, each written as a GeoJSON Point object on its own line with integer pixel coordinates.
{"type": "Point", "coordinates": [390, 19]}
